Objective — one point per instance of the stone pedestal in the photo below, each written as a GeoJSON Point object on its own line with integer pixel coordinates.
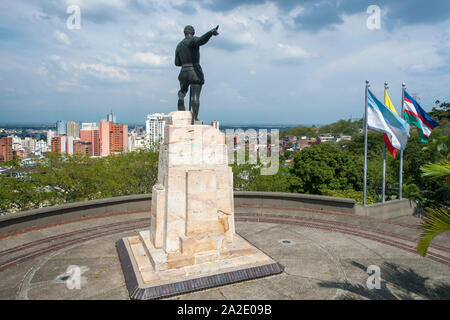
{"type": "Point", "coordinates": [192, 242]}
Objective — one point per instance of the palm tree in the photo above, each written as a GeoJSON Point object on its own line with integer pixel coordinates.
{"type": "Point", "coordinates": [437, 170]}
{"type": "Point", "coordinates": [438, 218]}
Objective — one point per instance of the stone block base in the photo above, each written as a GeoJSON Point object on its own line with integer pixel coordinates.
{"type": "Point", "coordinates": [183, 273]}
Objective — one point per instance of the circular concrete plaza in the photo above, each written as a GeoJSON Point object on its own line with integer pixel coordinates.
{"type": "Point", "coordinates": [325, 255]}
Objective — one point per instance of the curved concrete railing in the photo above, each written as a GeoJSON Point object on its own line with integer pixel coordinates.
{"type": "Point", "coordinates": [74, 211]}
{"type": "Point", "coordinates": [293, 200]}
{"type": "Point", "coordinates": [66, 213]}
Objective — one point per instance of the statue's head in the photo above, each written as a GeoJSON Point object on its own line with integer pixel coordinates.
{"type": "Point", "coordinates": [189, 31]}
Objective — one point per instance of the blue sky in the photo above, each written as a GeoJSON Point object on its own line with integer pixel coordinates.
{"type": "Point", "coordinates": [280, 61]}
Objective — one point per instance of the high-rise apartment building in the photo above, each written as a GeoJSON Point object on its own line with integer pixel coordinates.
{"type": "Point", "coordinates": [6, 150]}
{"type": "Point", "coordinates": [61, 127]}
{"type": "Point", "coordinates": [50, 135]}
{"type": "Point", "coordinates": [90, 133]}
{"type": "Point", "coordinates": [73, 129]}
{"type": "Point", "coordinates": [88, 125]}
{"type": "Point", "coordinates": [82, 147]}
{"type": "Point", "coordinates": [135, 142]}
{"type": "Point", "coordinates": [113, 138]}
{"type": "Point", "coordinates": [69, 146]}
{"type": "Point", "coordinates": [59, 144]}
{"type": "Point", "coordinates": [40, 147]}
{"type": "Point", "coordinates": [29, 143]}
{"type": "Point", "coordinates": [154, 128]}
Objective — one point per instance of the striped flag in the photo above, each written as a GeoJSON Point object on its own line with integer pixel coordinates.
{"type": "Point", "coordinates": [415, 115]}
{"type": "Point", "coordinates": [382, 119]}
{"type": "Point", "coordinates": [388, 103]}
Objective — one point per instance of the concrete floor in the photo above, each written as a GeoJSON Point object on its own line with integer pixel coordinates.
{"type": "Point", "coordinates": [319, 263]}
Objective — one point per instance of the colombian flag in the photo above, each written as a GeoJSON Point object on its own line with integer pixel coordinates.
{"type": "Point", "coordinates": [388, 103]}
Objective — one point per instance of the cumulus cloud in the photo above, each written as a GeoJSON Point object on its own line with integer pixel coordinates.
{"type": "Point", "coordinates": [152, 59]}
{"type": "Point", "coordinates": [314, 15]}
{"type": "Point", "coordinates": [61, 37]}
{"type": "Point", "coordinates": [289, 51]}
{"type": "Point", "coordinates": [105, 72]}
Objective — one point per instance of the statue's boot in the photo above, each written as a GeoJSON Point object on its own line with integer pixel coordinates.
{"type": "Point", "coordinates": [194, 101]}
{"type": "Point", "coordinates": [181, 106]}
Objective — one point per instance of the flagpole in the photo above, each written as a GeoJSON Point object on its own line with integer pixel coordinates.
{"type": "Point", "coordinates": [365, 145]}
{"type": "Point", "coordinates": [400, 173]}
{"type": "Point", "coordinates": [383, 189]}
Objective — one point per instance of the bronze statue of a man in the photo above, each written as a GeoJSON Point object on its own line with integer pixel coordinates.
{"type": "Point", "coordinates": [187, 56]}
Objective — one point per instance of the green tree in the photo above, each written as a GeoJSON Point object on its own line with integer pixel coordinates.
{"type": "Point", "coordinates": [300, 131]}
{"type": "Point", "coordinates": [326, 166]}
{"type": "Point", "coordinates": [60, 179]}
{"type": "Point", "coordinates": [247, 177]}
{"type": "Point", "coordinates": [437, 220]}
{"type": "Point", "coordinates": [342, 127]}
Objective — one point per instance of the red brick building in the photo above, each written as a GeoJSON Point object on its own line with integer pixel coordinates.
{"type": "Point", "coordinates": [6, 151]}
{"type": "Point", "coordinates": [60, 144]}
{"type": "Point", "coordinates": [82, 147]}
{"type": "Point", "coordinates": [113, 138]}
{"type": "Point", "coordinates": [92, 136]}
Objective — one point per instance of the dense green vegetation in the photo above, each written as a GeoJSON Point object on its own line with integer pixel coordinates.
{"type": "Point", "coordinates": [343, 127]}
{"type": "Point", "coordinates": [437, 219]}
{"type": "Point", "coordinates": [300, 131]}
{"type": "Point", "coordinates": [334, 169]}
{"type": "Point", "coordinates": [346, 127]}
{"type": "Point", "coordinates": [60, 179]}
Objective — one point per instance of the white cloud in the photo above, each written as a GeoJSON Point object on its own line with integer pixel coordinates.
{"type": "Point", "coordinates": [61, 37]}
{"type": "Point", "coordinates": [85, 4]}
{"type": "Point", "coordinates": [296, 12]}
{"type": "Point", "coordinates": [290, 51]}
{"type": "Point", "coordinates": [152, 59]}
{"type": "Point", "coordinates": [105, 72]}
{"type": "Point", "coordinates": [406, 56]}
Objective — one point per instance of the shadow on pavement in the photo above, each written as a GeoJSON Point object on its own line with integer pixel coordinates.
{"type": "Point", "coordinates": [397, 283]}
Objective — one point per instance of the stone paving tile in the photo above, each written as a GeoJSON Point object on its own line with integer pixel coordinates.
{"type": "Point", "coordinates": [401, 279]}
{"type": "Point", "coordinates": [102, 275]}
{"type": "Point", "coordinates": [113, 293]}
{"type": "Point", "coordinates": [246, 228]}
{"type": "Point", "coordinates": [8, 294]}
{"type": "Point", "coordinates": [384, 250]}
{"type": "Point", "coordinates": [355, 220]}
{"type": "Point", "coordinates": [298, 288]}
{"type": "Point", "coordinates": [12, 277]}
{"type": "Point", "coordinates": [258, 289]}
{"type": "Point", "coordinates": [20, 239]}
{"type": "Point", "coordinates": [338, 244]}
{"type": "Point", "coordinates": [103, 248]}
{"type": "Point", "coordinates": [406, 219]}
{"type": "Point", "coordinates": [210, 294]}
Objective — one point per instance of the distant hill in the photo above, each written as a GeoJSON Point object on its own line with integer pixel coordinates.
{"type": "Point", "coordinates": [300, 131]}
{"type": "Point", "coordinates": [343, 127]}
{"type": "Point", "coordinates": [346, 127]}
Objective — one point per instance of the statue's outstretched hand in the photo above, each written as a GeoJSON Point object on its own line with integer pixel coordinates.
{"type": "Point", "coordinates": [215, 33]}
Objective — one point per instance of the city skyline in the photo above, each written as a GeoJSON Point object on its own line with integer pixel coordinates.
{"type": "Point", "coordinates": [287, 61]}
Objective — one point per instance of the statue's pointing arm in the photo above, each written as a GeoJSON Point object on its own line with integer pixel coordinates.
{"type": "Point", "coordinates": [199, 41]}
